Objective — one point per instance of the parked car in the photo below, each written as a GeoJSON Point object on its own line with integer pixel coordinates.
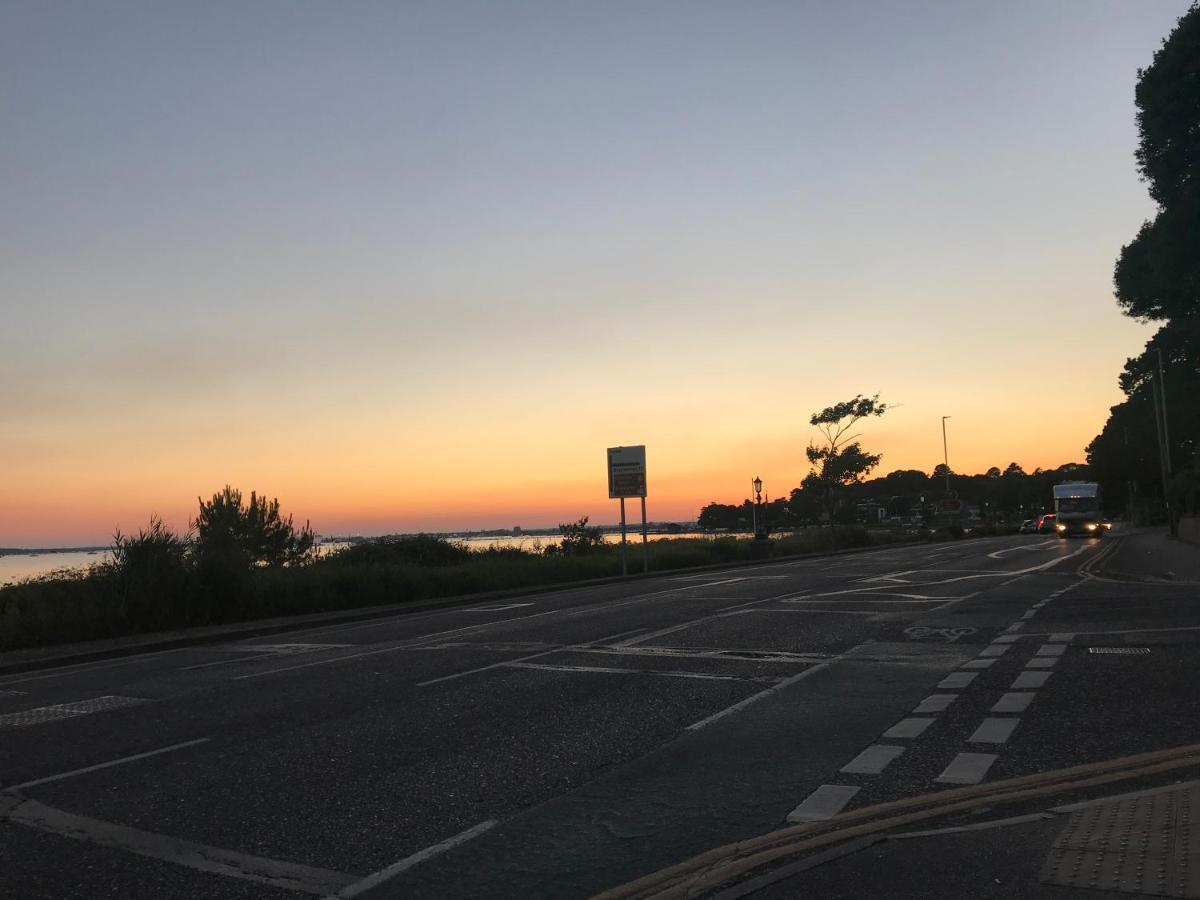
{"type": "Point", "coordinates": [1046, 523]}
{"type": "Point", "coordinates": [1029, 526]}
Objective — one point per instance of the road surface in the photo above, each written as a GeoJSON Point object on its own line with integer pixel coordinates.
{"type": "Point", "coordinates": [555, 745]}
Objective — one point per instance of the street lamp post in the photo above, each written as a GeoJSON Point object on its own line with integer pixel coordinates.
{"type": "Point", "coordinates": [757, 484]}
{"type": "Point", "coordinates": [946, 454]}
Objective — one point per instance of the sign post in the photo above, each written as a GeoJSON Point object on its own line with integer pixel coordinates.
{"type": "Point", "coordinates": [627, 478]}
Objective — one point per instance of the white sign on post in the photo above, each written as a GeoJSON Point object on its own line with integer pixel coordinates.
{"type": "Point", "coordinates": [626, 472]}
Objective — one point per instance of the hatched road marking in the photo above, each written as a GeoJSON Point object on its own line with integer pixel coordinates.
{"type": "Point", "coordinates": [58, 711]}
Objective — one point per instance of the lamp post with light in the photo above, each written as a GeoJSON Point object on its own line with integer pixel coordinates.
{"type": "Point", "coordinates": [759, 523]}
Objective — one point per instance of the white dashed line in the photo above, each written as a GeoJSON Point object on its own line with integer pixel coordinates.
{"type": "Point", "coordinates": [935, 703]}
{"type": "Point", "coordinates": [1031, 680]}
{"type": "Point", "coordinates": [1051, 650]}
{"type": "Point", "coordinates": [1029, 615]}
{"type": "Point", "coordinates": [978, 664]}
{"type": "Point", "coordinates": [824, 803]}
{"type": "Point", "coordinates": [1042, 662]}
{"type": "Point", "coordinates": [958, 680]}
{"type": "Point", "coordinates": [1015, 626]}
{"type": "Point", "coordinates": [873, 760]}
{"type": "Point", "coordinates": [1007, 639]}
{"type": "Point", "coordinates": [1013, 703]}
{"type": "Point", "coordinates": [994, 650]}
{"type": "Point", "coordinates": [908, 728]}
{"type": "Point", "coordinates": [1064, 637]}
{"type": "Point", "coordinates": [993, 731]}
{"type": "Point", "coordinates": [967, 768]}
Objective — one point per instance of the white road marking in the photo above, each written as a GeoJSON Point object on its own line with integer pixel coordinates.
{"type": "Point", "coordinates": [1029, 615]}
{"type": "Point", "coordinates": [993, 731]}
{"type": "Point", "coordinates": [1014, 627]}
{"type": "Point", "coordinates": [978, 664]}
{"type": "Point", "coordinates": [497, 665]}
{"type": "Point", "coordinates": [271, 653]}
{"type": "Point", "coordinates": [1031, 680]}
{"type": "Point", "coordinates": [105, 765]}
{"type": "Point", "coordinates": [1013, 703]}
{"type": "Point", "coordinates": [609, 670]}
{"type": "Point", "coordinates": [873, 760]}
{"type": "Point", "coordinates": [1042, 662]}
{"type": "Point", "coordinates": [999, 553]}
{"type": "Point", "coordinates": [378, 878]}
{"type": "Point", "coordinates": [59, 711]}
{"type": "Point", "coordinates": [719, 653]}
{"type": "Point", "coordinates": [203, 858]}
{"type": "Point", "coordinates": [958, 680]}
{"type": "Point", "coordinates": [967, 768]}
{"type": "Point", "coordinates": [1064, 637]}
{"type": "Point", "coordinates": [1051, 650]}
{"type": "Point", "coordinates": [494, 608]}
{"type": "Point", "coordinates": [908, 728]}
{"type": "Point", "coordinates": [994, 650]}
{"type": "Point", "coordinates": [1127, 630]}
{"type": "Point", "coordinates": [568, 612]}
{"type": "Point", "coordinates": [1006, 639]}
{"type": "Point", "coordinates": [935, 703]}
{"type": "Point", "coordinates": [13, 693]}
{"type": "Point", "coordinates": [836, 612]}
{"type": "Point", "coordinates": [824, 803]}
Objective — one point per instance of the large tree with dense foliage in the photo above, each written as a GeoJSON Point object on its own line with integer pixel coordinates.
{"type": "Point", "coordinates": [1157, 276]}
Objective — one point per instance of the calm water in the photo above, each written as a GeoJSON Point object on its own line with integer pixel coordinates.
{"type": "Point", "coordinates": [18, 566]}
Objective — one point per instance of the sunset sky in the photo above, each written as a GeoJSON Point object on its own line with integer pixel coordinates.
{"type": "Point", "coordinates": [416, 265]}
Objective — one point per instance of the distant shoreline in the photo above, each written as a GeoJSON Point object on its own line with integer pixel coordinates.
{"type": "Point", "coordinates": [631, 528]}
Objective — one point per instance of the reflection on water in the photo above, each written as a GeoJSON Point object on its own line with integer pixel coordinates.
{"type": "Point", "coordinates": [17, 566]}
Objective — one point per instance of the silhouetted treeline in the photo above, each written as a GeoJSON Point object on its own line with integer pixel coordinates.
{"type": "Point", "coordinates": [1003, 495]}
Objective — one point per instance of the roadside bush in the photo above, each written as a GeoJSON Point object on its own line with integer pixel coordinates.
{"type": "Point", "coordinates": [578, 538]}
{"type": "Point", "coordinates": [150, 576]}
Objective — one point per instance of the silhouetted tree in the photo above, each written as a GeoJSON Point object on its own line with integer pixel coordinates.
{"type": "Point", "coordinates": [579, 538]}
{"type": "Point", "coordinates": [840, 461]}
{"type": "Point", "coordinates": [1157, 275]}
{"type": "Point", "coordinates": [250, 534]}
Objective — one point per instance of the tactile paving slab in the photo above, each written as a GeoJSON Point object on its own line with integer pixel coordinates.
{"type": "Point", "coordinates": [45, 714]}
{"type": "Point", "coordinates": [1139, 845]}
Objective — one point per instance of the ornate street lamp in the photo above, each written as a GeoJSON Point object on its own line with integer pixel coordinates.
{"type": "Point", "coordinates": [759, 525]}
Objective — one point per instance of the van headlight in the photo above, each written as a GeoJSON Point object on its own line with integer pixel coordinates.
{"type": "Point", "coordinates": [1061, 527]}
{"type": "Point", "coordinates": [1090, 527]}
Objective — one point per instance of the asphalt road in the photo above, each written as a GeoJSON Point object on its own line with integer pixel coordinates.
{"type": "Point", "coordinates": [560, 744]}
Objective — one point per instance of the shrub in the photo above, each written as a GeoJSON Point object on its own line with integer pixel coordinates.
{"type": "Point", "coordinates": [149, 574]}
{"type": "Point", "coordinates": [579, 538]}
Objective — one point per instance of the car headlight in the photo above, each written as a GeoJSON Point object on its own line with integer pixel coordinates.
{"type": "Point", "coordinates": [1061, 527]}
{"type": "Point", "coordinates": [1090, 527]}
